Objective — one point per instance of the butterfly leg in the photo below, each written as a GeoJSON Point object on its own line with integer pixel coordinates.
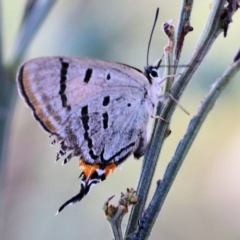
{"type": "Point", "coordinates": [91, 175]}
{"type": "Point", "coordinates": [176, 101]}
{"type": "Point", "coordinates": [160, 118]}
{"type": "Point", "coordinates": [161, 81]}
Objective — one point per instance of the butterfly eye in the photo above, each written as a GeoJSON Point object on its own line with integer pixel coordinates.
{"type": "Point", "coordinates": [151, 72]}
{"type": "Point", "coordinates": [154, 73]}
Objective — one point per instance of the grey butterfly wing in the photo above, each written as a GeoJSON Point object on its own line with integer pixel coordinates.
{"type": "Point", "coordinates": [114, 131]}
{"type": "Point", "coordinates": [94, 108]}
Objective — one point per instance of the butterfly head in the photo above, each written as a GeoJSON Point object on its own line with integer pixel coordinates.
{"type": "Point", "coordinates": [152, 72]}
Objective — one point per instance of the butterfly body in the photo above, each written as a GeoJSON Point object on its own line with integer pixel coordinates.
{"type": "Point", "coordinates": [96, 110]}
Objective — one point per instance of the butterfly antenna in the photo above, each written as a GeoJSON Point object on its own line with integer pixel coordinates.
{"type": "Point", "coordinates": [150, 39]}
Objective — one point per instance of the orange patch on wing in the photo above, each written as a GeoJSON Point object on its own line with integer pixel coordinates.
{"type": "Point", "coordinates": [110, 168]}
{"type": "Point", "coordinates": [88, 169]}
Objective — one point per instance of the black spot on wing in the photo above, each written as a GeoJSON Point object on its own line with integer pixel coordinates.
{"type": "Point", "coordinates": [108, 76]}
{"type": "Point", "coordinates": [103, 161]}
{"type": "Point", "coordinates": [88, 75]}
{"type": "Point", "coordinates": [106, 101]}
{"type": "Point", "coordinates": [63, 86]}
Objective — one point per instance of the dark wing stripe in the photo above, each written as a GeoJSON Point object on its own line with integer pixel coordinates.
{"type": "Point", "coordinates": [105, 120]}
{"type": "Point", "coordinates": [21, 87]}
{"type": "Point", "coordinates": [84, 110]}
{"type": "Point", "coordinates": [85, 120]}
{"type": "Point", "coordinates": [93, 156]}
{"type": "Point", "coordinates": [63, 86]}
{"type": "Point", "coordinates": [103, 160]}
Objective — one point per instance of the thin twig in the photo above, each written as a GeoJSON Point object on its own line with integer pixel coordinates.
{"type": "Point", "coordinates": [147, 172]}
{"type": "Point", "coordinates": [212, 30]}
{"type": "Point", "coordinates": [169, 30]}
{"type": "Point", "coordinates": [184, 145]}
{"type": "Point", "coordinates": [183, 28]}
{"type": "Point", "coordinates": [115, 214]}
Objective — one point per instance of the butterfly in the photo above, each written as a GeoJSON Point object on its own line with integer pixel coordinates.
{"type": "Point", "coordinates": [96, 110]}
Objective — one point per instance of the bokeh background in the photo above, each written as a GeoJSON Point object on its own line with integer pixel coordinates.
{"type": "Point", "coordinates": [204, 202]}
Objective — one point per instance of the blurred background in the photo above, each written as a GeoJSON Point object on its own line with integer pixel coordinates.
{"type": "Point", "coordinates": [204, 202]}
